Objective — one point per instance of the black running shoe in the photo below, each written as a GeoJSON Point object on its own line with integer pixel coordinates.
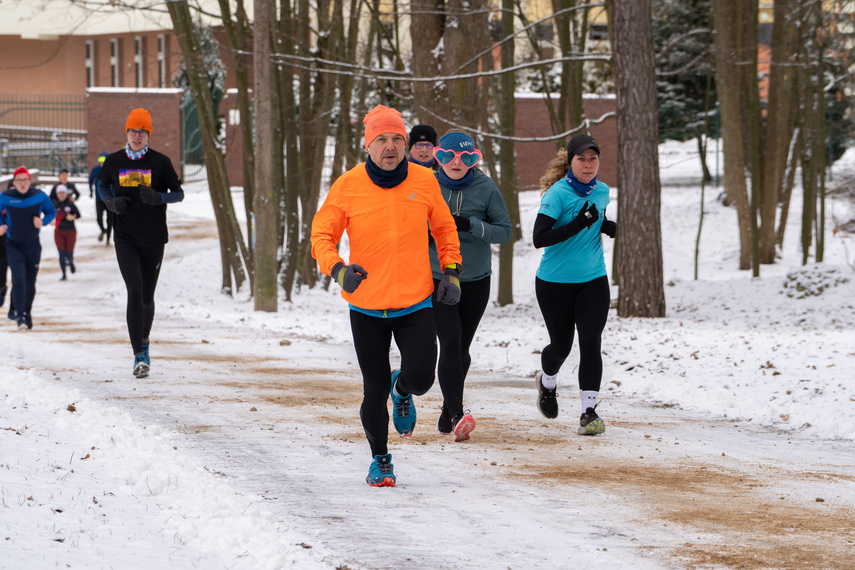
{"type": "Point", "coordinates": [590, 423]}
{"type": "Point", "coordinates": [546, 399]}
{"type": "Point", "coordinates": [444, 424]}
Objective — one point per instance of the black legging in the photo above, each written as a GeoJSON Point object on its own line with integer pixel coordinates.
{"type": "Point", "coordinates": [455, 327]}
{"type": "Point", "coordinates": [584, 306]}
{"type": "Point", "coordinates": [23, 259]}
{"type": "Point", "coordinates": [372, 338]}
{"type": "Point", "coordinates": [140, 268]}
{"type": "Point", "coordinates": [100, 211]}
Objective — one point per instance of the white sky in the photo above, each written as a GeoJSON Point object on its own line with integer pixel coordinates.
{"type": "Point", "coordinates": [47, 18]}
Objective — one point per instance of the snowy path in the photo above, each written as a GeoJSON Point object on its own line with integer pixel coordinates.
{"type": "Point", "coordinates": [276, 416]}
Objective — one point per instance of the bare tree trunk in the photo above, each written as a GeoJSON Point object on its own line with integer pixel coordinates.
{"type": "Point", "coordinates": [747, 70]}
{"type": "Point", "coordinates": [789, 183]}
{"type": "Point", "coordinates": [726, 22]}
{"type": "Point", "coordinates": [232, 249]}
{"type": "Point", "coordinates": [265, 204]}
{"type": "Point", "coordinates": [426, 30]}
{"type": "Point", "coordinates": [293, 171]}
{"type": "Point", "coordinates": [641, 286]}
{"type": "Point", "coordinates": [508, 178]}
{"type": "Point", "coordinates": [777, 133]}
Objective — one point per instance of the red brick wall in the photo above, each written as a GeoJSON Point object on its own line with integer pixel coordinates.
{"type": "Point", "coordinates": [532, 120]}
{"type": "Point", "coordinates": [108, 109]}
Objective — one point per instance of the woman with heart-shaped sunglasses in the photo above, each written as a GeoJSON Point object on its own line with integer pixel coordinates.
{"type": "Point", "coordinates": [571, 284]}
{"type": "Point", "coordinates": [482, 219]}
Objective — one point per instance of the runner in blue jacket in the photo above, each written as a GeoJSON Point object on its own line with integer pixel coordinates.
{"type": "Point", "coordinates": [27, 210]}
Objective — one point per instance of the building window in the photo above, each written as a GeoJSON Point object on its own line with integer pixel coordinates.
{"type": "Point", "coordinates": [599, 32]}
{"type": "Point", "coordinates": [114, 63]}
{"type": "Point", "coordinates": [161, 60]}
{"type": "Point", "coordinates": [90, 64]}
{"type": "Point", "coordinates": [138, 61]}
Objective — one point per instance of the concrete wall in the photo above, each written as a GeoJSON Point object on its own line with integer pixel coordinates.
{"type": "Point", "coordinates": [108, 109]}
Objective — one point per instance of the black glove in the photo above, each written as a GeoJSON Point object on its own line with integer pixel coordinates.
{"type": "Point", "coordinates": [609, 228]}
{"type": "Point", "coordinates": [348, 277]}
{"type": "Point", "coordinates": [118, 205]}
{"type": "Point", "coordinates": [586, 216]}
{"type": "Point", "coordinates": [463, 224]}
{"type": "Point", "coordinates": [448, 291]}
{"type": "Point", "coordinates": [150, 196]}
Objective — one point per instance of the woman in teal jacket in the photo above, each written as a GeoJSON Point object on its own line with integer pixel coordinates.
{"type": "Point", "coordinates": [482, 219]}
{"type": "Point", "coordinates": [571, 285]}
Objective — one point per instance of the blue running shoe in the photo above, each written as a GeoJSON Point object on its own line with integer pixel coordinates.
{"type": "Point", "coordinates": [145, 352]}
{"type": "Point", "coordinates": [381, 473]}
{"type": "Point", "coordinates": [403, 410]}
{"type": "Point", "coordinates": [140, 367]}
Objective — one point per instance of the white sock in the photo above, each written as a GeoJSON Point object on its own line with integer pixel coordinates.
{"type": "Point", "coordinates": [549, 382]}
{"type": "Point", "coordinates": [589, 399]}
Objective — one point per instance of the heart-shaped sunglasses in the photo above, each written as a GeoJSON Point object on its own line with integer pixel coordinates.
{"type": "Point", "coordinates": [467, 158]}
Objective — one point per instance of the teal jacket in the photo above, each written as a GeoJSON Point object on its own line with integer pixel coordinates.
{"type": "Point", "coordinates": [490, 223]}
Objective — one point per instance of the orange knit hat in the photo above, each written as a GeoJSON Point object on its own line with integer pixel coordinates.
{"type": "Point", "coordinates": [381, 120]}
{"type": "Point", "coordinates": [139, 119]}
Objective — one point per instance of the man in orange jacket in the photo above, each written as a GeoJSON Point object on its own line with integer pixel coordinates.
{"type": "Point", "coordinates": [386, 205]}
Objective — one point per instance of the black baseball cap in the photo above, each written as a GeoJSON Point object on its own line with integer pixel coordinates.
{"type": "Point", "coordinates": [580, 143]}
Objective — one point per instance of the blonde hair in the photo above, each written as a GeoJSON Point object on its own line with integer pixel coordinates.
{"type": "Point", "coordinates": [555, 170]}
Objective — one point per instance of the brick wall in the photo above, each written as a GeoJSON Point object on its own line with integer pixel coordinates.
{"type": "Point", "coordinates": [532, 120]}
{"type": "Point", "coordinates": [108, 109]}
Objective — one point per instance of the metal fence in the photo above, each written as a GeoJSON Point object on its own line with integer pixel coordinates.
{"type": "Point", "coordinates": [47, 132]}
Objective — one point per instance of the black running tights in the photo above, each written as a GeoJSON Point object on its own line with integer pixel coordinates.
{"type": "Point", "coordinates": [140, 268]}
{"type": "Point", "coordinates": [372, 338]}
{"type": "Point", "coordinates": [455, 327]}
{"type": "Point", "coordinates": [583, 306]}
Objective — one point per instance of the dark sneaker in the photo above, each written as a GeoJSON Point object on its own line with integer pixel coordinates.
{"type": "Point", "coordinates": [101, 235]}
{"type": "Point", "coordinates": [463, 426]}
{"type": "Point", "coordinates": [444, 424]}
{"type": "Point", "coordinates": [145, 352]}
{"type": "Point", "coordinates": [590, 423]}
{"type": "Point", "coordinates": [381, 473]}
{"type": "Point", "coordinates": [140, 367]}
{"type": "Point", "coordinates": [13, 316]}
{"type": "Point", "coordinates": [547, 401]}
{"type": "Point", "coordinates": [403, 410]}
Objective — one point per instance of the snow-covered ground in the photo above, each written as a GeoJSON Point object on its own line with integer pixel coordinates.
{"type": "Point", "coordinates": [244, 449]}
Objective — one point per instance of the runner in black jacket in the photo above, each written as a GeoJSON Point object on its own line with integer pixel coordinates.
{"type": "Point", "coordinates": [136, 183]}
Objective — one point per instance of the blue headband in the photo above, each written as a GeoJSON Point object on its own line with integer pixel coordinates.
{"type": "Point", "coordinates": [457, 141]}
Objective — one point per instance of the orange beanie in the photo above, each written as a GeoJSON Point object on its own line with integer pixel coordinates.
{"type": "Point", "coordinates": [139, 119]}
{"type": "Point", "coordinates": [381, 120]}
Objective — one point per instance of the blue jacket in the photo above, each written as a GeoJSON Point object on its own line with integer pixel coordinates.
{"type": "Point", "coordinates": [20, 211]}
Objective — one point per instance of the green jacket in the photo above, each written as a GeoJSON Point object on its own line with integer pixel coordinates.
{"type": "Point", "coordinates": [490, 223]}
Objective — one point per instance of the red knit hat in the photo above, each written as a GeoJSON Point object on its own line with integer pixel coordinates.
{"type": "Point", "coordinates": [139, 119]}
{"type": "Point", "coordinates": [381, 120]}
{"type": "Point", "coordinates": [22, 170]}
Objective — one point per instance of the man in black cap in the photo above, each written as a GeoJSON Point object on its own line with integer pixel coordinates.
{"type": "Point", "coordinates": [420, 145]}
